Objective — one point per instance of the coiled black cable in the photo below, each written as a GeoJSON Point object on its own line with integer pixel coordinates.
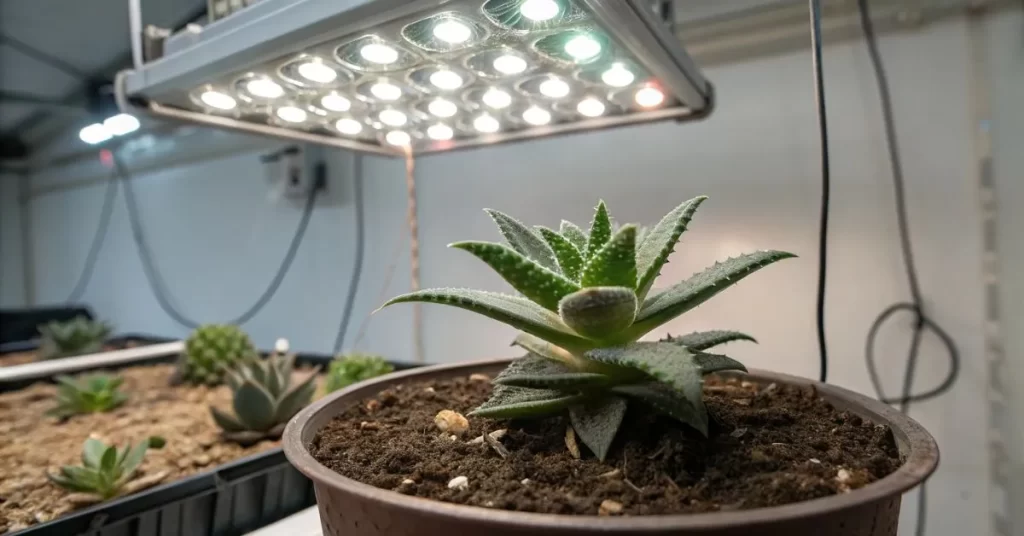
{"type": "Point", "coordinates": [156, 281]}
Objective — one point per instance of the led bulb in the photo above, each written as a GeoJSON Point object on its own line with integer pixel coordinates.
{"type": "Point", "coordinates": [440, 132]}
{"type": "Point", "coordinates": [218, 100]}
{"type": "Point", "coordinates": [452, 31]}
{"type": "Point", "coordinates": [378, 53]}
{"type": "Point", "coordinates": [292, 114]}
{"type": "Point", "coordinates": [539, 10]}
{"type": "Point", "coordinates": [509, 64]}
{"type": "Point", "coordinates": [121, 124]}
{"type": "Point", "coordinates": [348, 126]}
{"type": "Point", "coordinates": [649, 97]}
{"type": "Point", "coordinates": [496, 98]}
{"type": "Point", "coordinates": [554, 88]}
{"type": "Point", "coordinates": [264, 88]}
{"type": "Point", "coordinates": [446, 79]}
{"type": "Point", "coordinates": [386, 91]}
{"type": "Point", "coordinates": [335, 102]}
{"type": "Point", "coordinates": [590, 107]}
{"type": "Point", "coordinates": [399, 138]}
{"type": "Point", "coordinates": [618, 76]}
{"type": "Point", "coordinates": [537, 116]}
{"type": "Point", "coordinates": [315, 71]}
{"type": "Point", "coordinates": [582, 47]}
{"type": "Point", "coordinates": [486, 123]}
{"type": "Point", "coordinates": [94, 133]}
{"type": "Point", "coordinates": [393, 118]}
{"type": "Point", "coordinates": [442, 108]}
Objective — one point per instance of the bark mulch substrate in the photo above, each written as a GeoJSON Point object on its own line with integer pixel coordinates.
{"type": "Point", "coordinates": [768, 446]}
{"type": "Point", "coordinates": [31, 443]}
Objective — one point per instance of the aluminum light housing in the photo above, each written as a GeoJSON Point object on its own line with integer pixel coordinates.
{"type": "Point", "coordinates": [613, 56]}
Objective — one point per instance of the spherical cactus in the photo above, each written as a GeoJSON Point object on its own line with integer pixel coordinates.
{"type": "Point", "coordinates": [210, 350]}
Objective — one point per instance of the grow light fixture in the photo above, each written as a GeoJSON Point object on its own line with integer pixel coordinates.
{"type": "Point", "coordinates": [378, 75]}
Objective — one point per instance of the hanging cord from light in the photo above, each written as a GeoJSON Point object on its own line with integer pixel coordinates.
{"type": "Point", "coordinates": [106, 211]}
{"type": "Point", "coordinates": [159, 286]}
{"type": "Point", "coordinates": [412, 220]}
{"type": "Point", "coordinates": [384, 287]}
{"type": "Point", "coordinates": [826, 185]}
{"type": "Point", "coordinates": [357, 263]}
{"type": "Point", "coordinates": [921, 321]}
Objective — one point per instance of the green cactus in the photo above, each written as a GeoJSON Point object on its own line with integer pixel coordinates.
{"type": "Point", "coordinates": [210, 350]}
{"type": "Point", "coordinates": [77, 336]}
{"type": "Point", "coordinates": [93, 393]}
{"type": "Point", "coordinates": [586, 302]}
{"type": "Point", "coordinates": [352, 368]}
{"type": "Point", "coordinates": [263, 398]}
{"type": "Point", "coordinates": [105, 470]}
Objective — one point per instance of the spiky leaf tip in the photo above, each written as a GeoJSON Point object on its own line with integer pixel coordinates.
{"type": "Point", "coordinates": [599, 312]}
{"type": "Point", "coordinates": [523, 240]}
{"type": "Point", "coordinates": [703, 340]}
{"type": "Point", "coordinates": [614, 265]}
{"type": "Point", "coordinates": [710, 363]}
{"type": "Point", "coordinates": [538, 372]}
{"type": "Point", "coordinates": [600, 229]}
{"type": "Point", "coordinates": [532, 280]}
{"type": "Point", "coordinates": [597, 422]}
{"type": "Point", "coordinates": [659, 242]}
{"type": "Point", "coordinates": [677, 299]}
{"type": "Point", "coordinates": [507, 402]}
{"type": "Point", "coordinates": [574, 234]}
{"type": "Point", "coordinates": [570, 260]}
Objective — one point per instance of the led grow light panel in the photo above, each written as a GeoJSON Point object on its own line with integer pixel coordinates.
{"type": "Point", "coordinates": [463, 73]}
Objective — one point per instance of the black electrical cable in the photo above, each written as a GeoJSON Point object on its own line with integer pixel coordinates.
{"type": "Point", "coordinates": [921, 321]}
{"type": "Point", "coordinates": [97, 241]}
{"type": "Point", "coordinates": [357, 268]}
{"type": "Point", "coordinates": [826, 184]}
{"type": "Point", "coordinates": [156, 281]}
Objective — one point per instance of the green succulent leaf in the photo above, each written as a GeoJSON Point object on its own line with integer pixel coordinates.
{"type": "Point", "coordinates": [614, 265]}
{"type": "Point", "coordinates": [703, 340]}
{"type": "Point", "coordinates": [226, 421]}
{"type": "Point", "coordinates": [92, 453]}
{"type": "Point", "coordinates": [574, 234]}
{"type": "Point", "coordinates": [70, 484]}
{"type": "Point", "coordinates": [599, 312]}
{"type": "Point", "coordinates": [353, 368]}
{"type": "Point", "coordinates": [659, 242]}
{"type": "Point", "coordinates": [600, 230]}
{"type": "Point", "coordinates": [680, 298]}
{"type": "Point", "coordinates": [539, 372]}
{"type": "Point", "coordinates": [668, 401]}
{"type": "Point", "coordinates": [534, 281]}
{"type": "Point", "coordinates": [596, 423]}
{"type": "Point", "coordinates": [710, 363]}
{"type": "Point", "coordinates": [509, 402]}
{"type": "Point", "coordinates": [134, 458]}
{"type": "Point", "coordinates": [545, 349]}
{"type": "Point", "coordinates": [254, 406]}
{"type": "Point", "coordinates": [523, 239]}
{"type": "Point", "coordinates": [515, 311]}
{"type": "Point", "coordinates": [108, 460]}
{"type": "Point", "coordinates": [296, 398]}
{"type": "Point", "coordinates": [570, 261]}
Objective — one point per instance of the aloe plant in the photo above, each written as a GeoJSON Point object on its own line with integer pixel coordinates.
{"type": "Point", "coordinates": [264, 398]}
{"type": "Point", "coordinates": [587, 299]}
{"type": "Point", "coordinates": [77, 336]}
{"type": "Point", "coordinates": [93, 393]}
{"type": "Point", "coordinates": [105, 470]}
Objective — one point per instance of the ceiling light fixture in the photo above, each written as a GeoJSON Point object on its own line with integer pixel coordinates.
{"type": "Point", "coordinates": [334, 63]}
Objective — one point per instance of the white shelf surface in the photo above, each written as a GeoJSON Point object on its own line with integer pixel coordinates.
{"type": "Point", "coordinates": [304, 523]}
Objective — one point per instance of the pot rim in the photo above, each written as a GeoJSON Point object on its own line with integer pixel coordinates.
{"type": "Point", "coordinates": [921, 459]}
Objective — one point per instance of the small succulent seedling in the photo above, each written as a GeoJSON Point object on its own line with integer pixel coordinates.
{"type": "Point", "coordinates": [105, 469]}
{"type": "Point", "coordinates": [210, 350]}
{"type": "Point", "coordinates": [264, 398]}
{"type": "Point", "coordinates": [78, 336]}
{"type": "Point", "coordinates": [586, 300]}
{"type": "Point", "coordinates": [93, 393]}
{"type": "Point", "coordinates": [353, 368]}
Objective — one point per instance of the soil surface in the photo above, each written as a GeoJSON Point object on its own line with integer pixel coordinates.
{"type": "Point", "coordinates": [31, 443]}
{"type": "Point", "coordinates": [20, 358]}
{"type": "Point", "coordinates": [768, 445]}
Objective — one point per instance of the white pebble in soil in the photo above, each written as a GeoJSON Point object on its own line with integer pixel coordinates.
{"type": "Point", "coordinates": [458, 483]}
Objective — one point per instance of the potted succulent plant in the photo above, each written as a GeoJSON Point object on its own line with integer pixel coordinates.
{"type": "Point", "coordinates": [661, 437]}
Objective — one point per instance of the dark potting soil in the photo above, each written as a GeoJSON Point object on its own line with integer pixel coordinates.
{"type": "Point", "coordinates": [768, 445]}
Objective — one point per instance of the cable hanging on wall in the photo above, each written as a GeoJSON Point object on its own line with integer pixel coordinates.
{"type": "Point", "coordinates": [159, 286]}
{"type": "Point", "coordinates": [826, 185]}
{"type": "Point", "coordinates": [357, 262]}
{"type": "Point", "coordinates": [106, 211]}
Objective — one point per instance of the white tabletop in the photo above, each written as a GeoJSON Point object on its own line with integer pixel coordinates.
{"type": "Point", "coordinates": [304, 523]}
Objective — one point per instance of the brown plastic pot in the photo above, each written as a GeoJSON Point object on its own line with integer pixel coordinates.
{"type": "Point", "coordinates": [350, 508]}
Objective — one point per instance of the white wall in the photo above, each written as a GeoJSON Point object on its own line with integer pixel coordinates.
{"type": "Point", "coordinates": [218, 237]}
{"type": "Point", "coordinates": [12, 282]}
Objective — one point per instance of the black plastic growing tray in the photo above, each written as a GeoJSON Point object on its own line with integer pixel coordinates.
{"type": "Point", "coordinates": [229, 500]}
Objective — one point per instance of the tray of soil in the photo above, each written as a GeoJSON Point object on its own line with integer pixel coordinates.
{"type": "Point", "coordinates": [593, 430]}
{"type": "Point", "coordinates": [77, 336]}
{"type": "Point", "coordinates": [190, 455]}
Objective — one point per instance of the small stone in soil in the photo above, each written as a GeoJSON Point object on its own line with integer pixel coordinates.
{"type": "Point", "coordinates": [479, 378]}
{"type": "Point", "coordinates": [459, 482]}
{"type": "Point", "coordinates": [369, 425]}
{"type": "Point", "coordinates": [609, 508]}
{"type": "Point", "coordinates": [452, 422]}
